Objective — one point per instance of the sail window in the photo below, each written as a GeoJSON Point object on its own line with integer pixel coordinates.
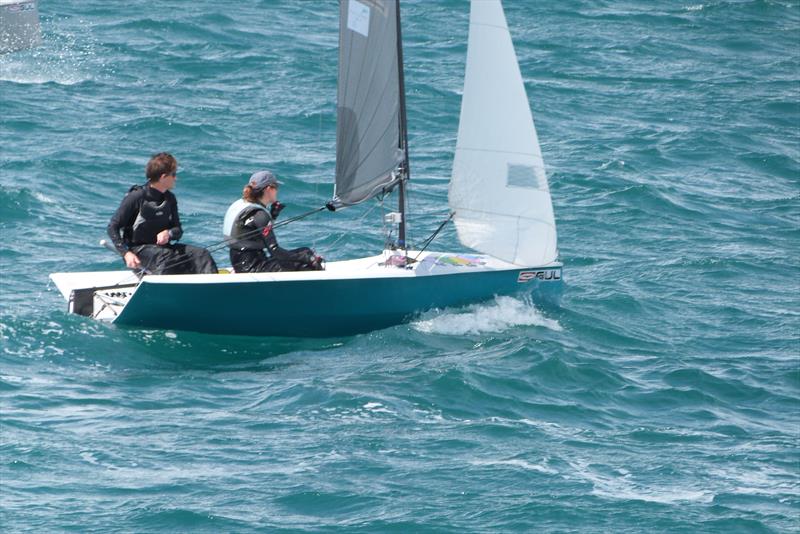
{"type": "Point", "coordinates": [358, 18]}
{"type": "Point", "coordinates": [522, 176]}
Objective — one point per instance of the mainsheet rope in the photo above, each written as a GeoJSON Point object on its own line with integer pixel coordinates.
{"type": "Point", "coordinates": [219, 245]}
{"type": "Point", "coordinates": [214, 247]}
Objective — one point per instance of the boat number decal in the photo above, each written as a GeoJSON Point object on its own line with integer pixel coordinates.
{"type": "Point", "coordinates": [546, 275]}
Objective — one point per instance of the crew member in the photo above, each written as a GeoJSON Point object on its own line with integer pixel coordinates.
{"type": "Point", "coordinates": [147, 221]}
{"type": "Point", "coordinates": [248, 228]}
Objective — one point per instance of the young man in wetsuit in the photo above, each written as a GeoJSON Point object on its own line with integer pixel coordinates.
{"type": "Point", "coordinates": [147, 221]}
{"type": "Point", "coordinates": [248, 228]}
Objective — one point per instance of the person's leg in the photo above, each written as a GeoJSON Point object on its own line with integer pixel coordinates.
{"type": "Point", "coordinates": [267, 265]}
{"type": "Point", "coordinates": [242, 260]}
{"type": "Point", "coordinates": [252, 261]}
{"type": "Point", "coordinates": [199, 260]}
{"type": "Point", "coordinates": [300, 265]}
{"type": "Point", "coordinates": [173, 260]}
{"type": "Point", "coordinates": [155, 259]}
{"type": "Point", "coordinates": [234, 256]}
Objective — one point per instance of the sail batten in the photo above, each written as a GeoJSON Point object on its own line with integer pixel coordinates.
{"type": "Point", "coordinates": [498, 189]}
{"type": "Point", "coordinates": [369, 125]}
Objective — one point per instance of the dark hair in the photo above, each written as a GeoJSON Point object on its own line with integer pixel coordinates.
{"type": "Point", "coordinates": [161, 163]}
{"type": "Point", "coordinates": [252, 195]}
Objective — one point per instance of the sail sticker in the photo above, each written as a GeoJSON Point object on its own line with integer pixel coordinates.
{"type": "Point", "coordinates": [459, 260]}
{"type": "Point", "coordinates": [358, 17]}
{"type": "Point", "coordinates": [522, 176]}
{"type": "Point", "coordinates": [547, 275]}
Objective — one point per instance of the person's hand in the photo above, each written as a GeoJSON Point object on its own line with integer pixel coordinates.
{"type": "Point", "coordinates": [275, 209]}
{"type": "Point", "coordinates": [307, 256]}
{"type": "Point", "coordinates": [132, 260]}
{"type": "Point", "coordinates": [162, 238]}
{"type": "Point", "coordinates": [318, 263]}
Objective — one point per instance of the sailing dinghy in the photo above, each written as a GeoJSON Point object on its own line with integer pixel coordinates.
{"type": "Point", "coordinates": [499, 199]}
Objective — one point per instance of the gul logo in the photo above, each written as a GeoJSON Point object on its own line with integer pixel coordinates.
{"type": "Point", "coordinates": [545, 276]}
{"type": "Point", "coordinates": [21, 7]}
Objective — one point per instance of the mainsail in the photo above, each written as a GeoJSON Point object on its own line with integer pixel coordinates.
{"type": "Point", "coordinates": [369, 130]}
{"type": "Point", "coordinates": [498, 189]}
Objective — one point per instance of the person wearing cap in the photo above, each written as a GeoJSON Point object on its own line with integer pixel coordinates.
{"type": "Point", "coordinates": [248, 230]}
{"type": "Point", "coordinates": [147, 222]}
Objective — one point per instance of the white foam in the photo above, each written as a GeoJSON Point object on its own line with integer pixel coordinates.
{"type": "Point", "coordinates": [495, 316]}
{"type": "Point", "coordinates": [621, 486]}
{"type": "Point", "coordinates": [89, 457]}
{"type": "Point", "coordinates": [63, 58]}
{"type": "Point", "coordinates": [516, 462]}
{"type": "Point", "coordinates": [376, 407]}
{"type": "Point", "coordinates": [43, 198]}
{"type": "Point", "coordinates": [766, 481]}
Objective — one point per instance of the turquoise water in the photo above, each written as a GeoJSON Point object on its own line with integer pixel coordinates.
{"type": "Point", "coordinates": [664, 395]}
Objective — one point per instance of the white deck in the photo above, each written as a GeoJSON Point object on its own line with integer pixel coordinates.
{"type": "Point", "coordinates": [370, 267]}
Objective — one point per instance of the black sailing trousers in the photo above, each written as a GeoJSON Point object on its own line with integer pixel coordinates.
{"type": "Point", "coordinates": [256, 261]}
{"type": "Point", "coordinates": [175, 259]}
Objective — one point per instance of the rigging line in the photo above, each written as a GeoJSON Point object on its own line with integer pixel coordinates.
{"type": "Point", "coordinates": [435, 233]}
{"type": "Point", "coordinates": [216, 247]}
{"type": "Point", "coordinates": [386, 233]}
{"type": "Point", "coordinates": [316, 182]}
{"type": "Point", "coordinates": [407, 209]}
{"type": "Point", "coordinates": [403, 133]}
{"type": "Point", "coordinates": [343, 234]}
{"type": "Point", "coordinates": [228, 240]}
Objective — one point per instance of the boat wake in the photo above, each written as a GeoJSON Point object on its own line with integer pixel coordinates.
{"type": "Point", "coordinates": [497, 315]}
{"type": "Point", "coordinates": [63, 58]}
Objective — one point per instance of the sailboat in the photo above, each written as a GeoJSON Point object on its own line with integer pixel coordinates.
{"type": "Point", "coordinates": [499, 201]}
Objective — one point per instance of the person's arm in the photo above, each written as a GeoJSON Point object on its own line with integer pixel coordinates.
{"type": "Point", "coordinates": [262, 220]}
{"type": "Point", "coordinates": [123, 217]}
{"type": "Point", "coordinates": [176, 231]}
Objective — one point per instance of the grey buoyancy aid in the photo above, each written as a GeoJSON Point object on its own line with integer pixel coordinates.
{"type": "Point", "coordinates": [153, 217]}
{"type": "Point", "coordinates": [240, 214]}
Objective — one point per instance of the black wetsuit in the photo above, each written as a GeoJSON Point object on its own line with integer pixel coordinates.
{"type": "Point", "coordinates": [252, 233]}
{"type": "Point", "coordinates": [142, 214]}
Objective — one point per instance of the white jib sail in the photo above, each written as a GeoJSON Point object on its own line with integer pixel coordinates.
{"type": "Point", "coordinates": [499, 189]}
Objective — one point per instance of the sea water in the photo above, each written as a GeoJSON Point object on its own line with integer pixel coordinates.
{"type": "Point", "coordinates": [662, 396]}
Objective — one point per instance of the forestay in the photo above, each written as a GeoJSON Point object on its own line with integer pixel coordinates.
{"type": "Point", "coordinates": [368, 115]}
{"type": "Point", "coordinates": [499, 189]}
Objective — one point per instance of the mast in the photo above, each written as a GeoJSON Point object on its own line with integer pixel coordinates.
{"type": "Point", "coordinates": [405, 170]}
